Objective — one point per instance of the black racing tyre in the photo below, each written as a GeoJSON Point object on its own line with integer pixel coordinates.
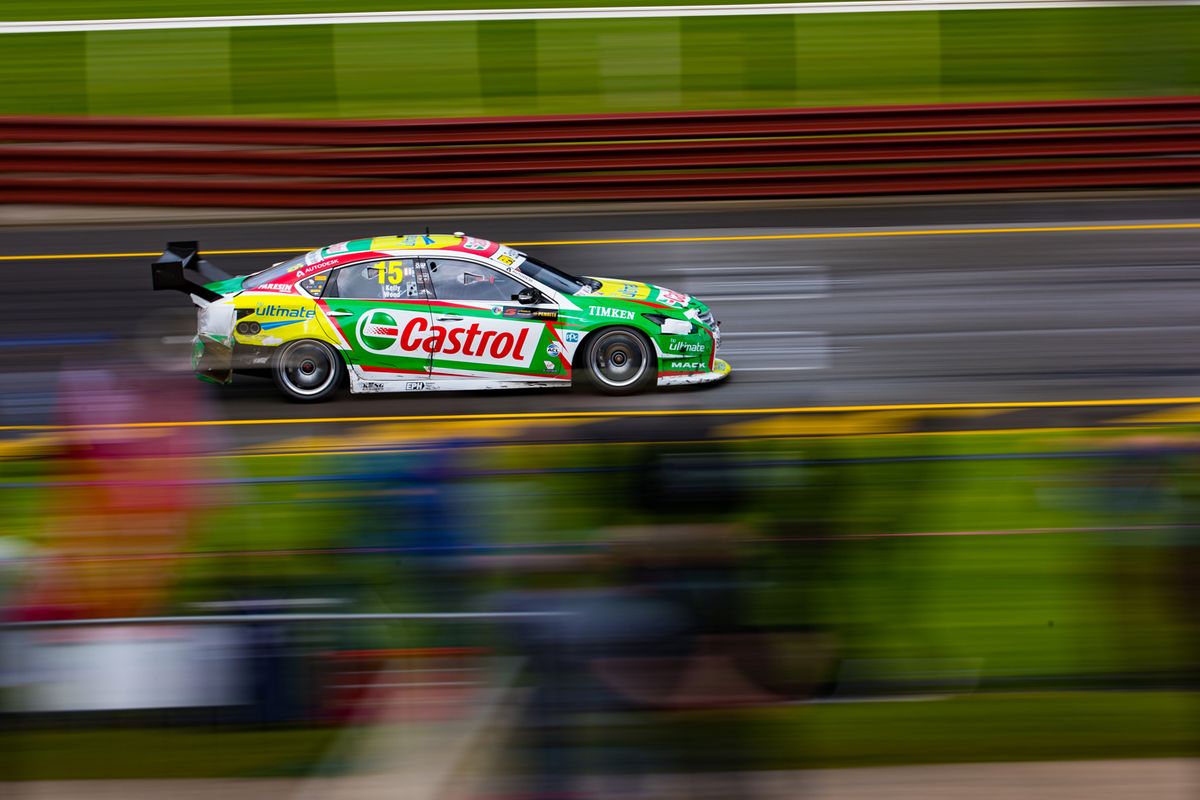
{"type": "Point", "coordinates": [619, 361]}
{"type": "Point", "coordinates": [307, 370]}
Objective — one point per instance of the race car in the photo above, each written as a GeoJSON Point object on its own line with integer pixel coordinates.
{"type": "Point", "coordinates": [425, 313]}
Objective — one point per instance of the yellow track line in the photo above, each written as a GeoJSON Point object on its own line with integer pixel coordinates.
{"type": "Point", "coordinates": [311, 452]}
{"type": "Point", "coordinates": [877, 234]}
{"type": "Point", "coordinates": [690, 412]}
{"type": "Point", "coordinates": [765, 237]}
{"type": "Point", "coordinates": [77, 256]}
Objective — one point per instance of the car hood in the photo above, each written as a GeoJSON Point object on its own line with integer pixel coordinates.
{"type": "Point", "coordinates": [617, 289]}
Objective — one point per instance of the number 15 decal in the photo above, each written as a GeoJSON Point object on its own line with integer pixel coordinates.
{"type": "Point", "coordinates": [393, 271]}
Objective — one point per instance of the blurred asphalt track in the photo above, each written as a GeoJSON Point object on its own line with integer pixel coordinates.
{"type": "Point", "coordinates": [877, 308]}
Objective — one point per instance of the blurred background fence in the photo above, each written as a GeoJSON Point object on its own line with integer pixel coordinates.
{"type": "Point", "coordinates": [682, 155]}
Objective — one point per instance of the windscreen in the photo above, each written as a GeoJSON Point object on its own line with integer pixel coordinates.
{"type": "Point", "coordinates": [555, 278]}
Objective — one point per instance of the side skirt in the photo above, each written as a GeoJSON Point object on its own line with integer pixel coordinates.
{"type": "Point", "coordinates": [360, 385]}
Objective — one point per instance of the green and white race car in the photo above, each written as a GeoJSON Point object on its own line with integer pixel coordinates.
{"type": "Point", "coordinates": [438, 313]}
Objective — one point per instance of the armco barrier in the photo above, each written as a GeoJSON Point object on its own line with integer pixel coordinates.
{"type": "Point", "coordinates": [711, 154]}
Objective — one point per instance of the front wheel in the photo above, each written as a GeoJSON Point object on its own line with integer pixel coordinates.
{"type": "Point", "coordinates": [619, 361]}
{"type": "Point", "coordinates": [308, 370]}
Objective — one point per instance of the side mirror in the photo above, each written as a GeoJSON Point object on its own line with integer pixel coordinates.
{"type": "Point", "coordinates": [528, 296]}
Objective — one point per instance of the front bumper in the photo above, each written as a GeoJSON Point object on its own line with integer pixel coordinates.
{"type": "Point", "coordinates": [720, 372]}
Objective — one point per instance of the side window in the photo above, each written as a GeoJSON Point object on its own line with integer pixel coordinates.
{"type": "Point", "coordinates": [393, 279]}
{"type": "Point", "coordinates": [465, 280]}
{"type": "Point", "coordinates": [316, 284]}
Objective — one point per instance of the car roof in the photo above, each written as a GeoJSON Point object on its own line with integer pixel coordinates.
{"type": "Point", "coordinates": [282, 276]}
{"type": "Point", "coordinates": [456, 243]}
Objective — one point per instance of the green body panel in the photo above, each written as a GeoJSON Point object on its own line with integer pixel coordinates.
{"type": "Point", "coordinates": [227, 286]}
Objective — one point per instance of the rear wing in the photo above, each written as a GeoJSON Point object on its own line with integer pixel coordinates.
{"type": "Point", "coordinates": [171, 271]}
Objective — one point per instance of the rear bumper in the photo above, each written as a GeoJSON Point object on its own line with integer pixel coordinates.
{"type": "Point", "coordinates": [720, 372]}
{"type": "Point", "coordinates": [216, 361]}
{"type": "Point", "coordinates": [212, 359]}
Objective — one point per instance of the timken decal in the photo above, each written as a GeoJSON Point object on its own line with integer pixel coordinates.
{"type": "Point", "coordinates": [611, 313]}
{"type": "Point", "coordinates": [487, 341]}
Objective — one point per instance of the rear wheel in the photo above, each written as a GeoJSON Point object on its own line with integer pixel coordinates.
{"type": "Point", "coordinates": [308, 370]}
{"type": "Point", "coordinates": [619, 361]}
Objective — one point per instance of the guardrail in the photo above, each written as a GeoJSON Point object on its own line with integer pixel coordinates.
{"type": "Point", "coordinates": [710, 154]}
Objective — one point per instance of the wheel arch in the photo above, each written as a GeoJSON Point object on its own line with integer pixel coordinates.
{"type": "Point", "coordinates": [581, 370]}
{"type": "Point", "coordinates": [340, 378]}
{"type": "Point", "coordinates": [577, 360]}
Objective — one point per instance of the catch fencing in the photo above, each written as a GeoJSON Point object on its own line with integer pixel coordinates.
{"type": "Point", "coordinates": [744, 154]}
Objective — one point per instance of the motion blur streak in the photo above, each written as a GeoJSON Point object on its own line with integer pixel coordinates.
{"type": "Point", "coordinates": [617, 413]}
{"type": "Point", "coordinates": [763, 237]}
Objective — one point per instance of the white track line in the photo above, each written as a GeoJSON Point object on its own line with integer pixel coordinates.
{"type": "Point", "coordinates": [615, 12]}
{"type": "Point", "coordinates": [739, 334]}
{"type": "Point", "coordinates": [758, 298]}
{"type": "Point", "coordinates": [742, 268]}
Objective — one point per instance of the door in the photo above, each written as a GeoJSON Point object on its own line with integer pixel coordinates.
{"type": "Point", "coordinates": [482, 330]}
{"type": "Point", "coordinates": [382, 310]}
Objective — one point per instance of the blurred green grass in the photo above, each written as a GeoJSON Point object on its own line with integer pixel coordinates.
{"type": "Point", "coordinates": [168, 752]}
{"type": "Point", "coordinates": [968, 729]}
{"type": "Point", "coordinates": [20, 10]}
{"type": "Point", "coordinates": [980, 728]}
{"type": "Point", "coordinates": [584, 66]}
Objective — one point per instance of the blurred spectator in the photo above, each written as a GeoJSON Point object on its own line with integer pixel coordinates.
{"type": "Point", "coordinates": [668, 631]}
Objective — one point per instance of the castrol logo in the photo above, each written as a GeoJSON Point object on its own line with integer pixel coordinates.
{"type": "Point", "coordinates": [391, 332]}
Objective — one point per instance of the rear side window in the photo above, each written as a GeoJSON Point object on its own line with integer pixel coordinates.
{"type": "Point", "coordinates": [316, 284]}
